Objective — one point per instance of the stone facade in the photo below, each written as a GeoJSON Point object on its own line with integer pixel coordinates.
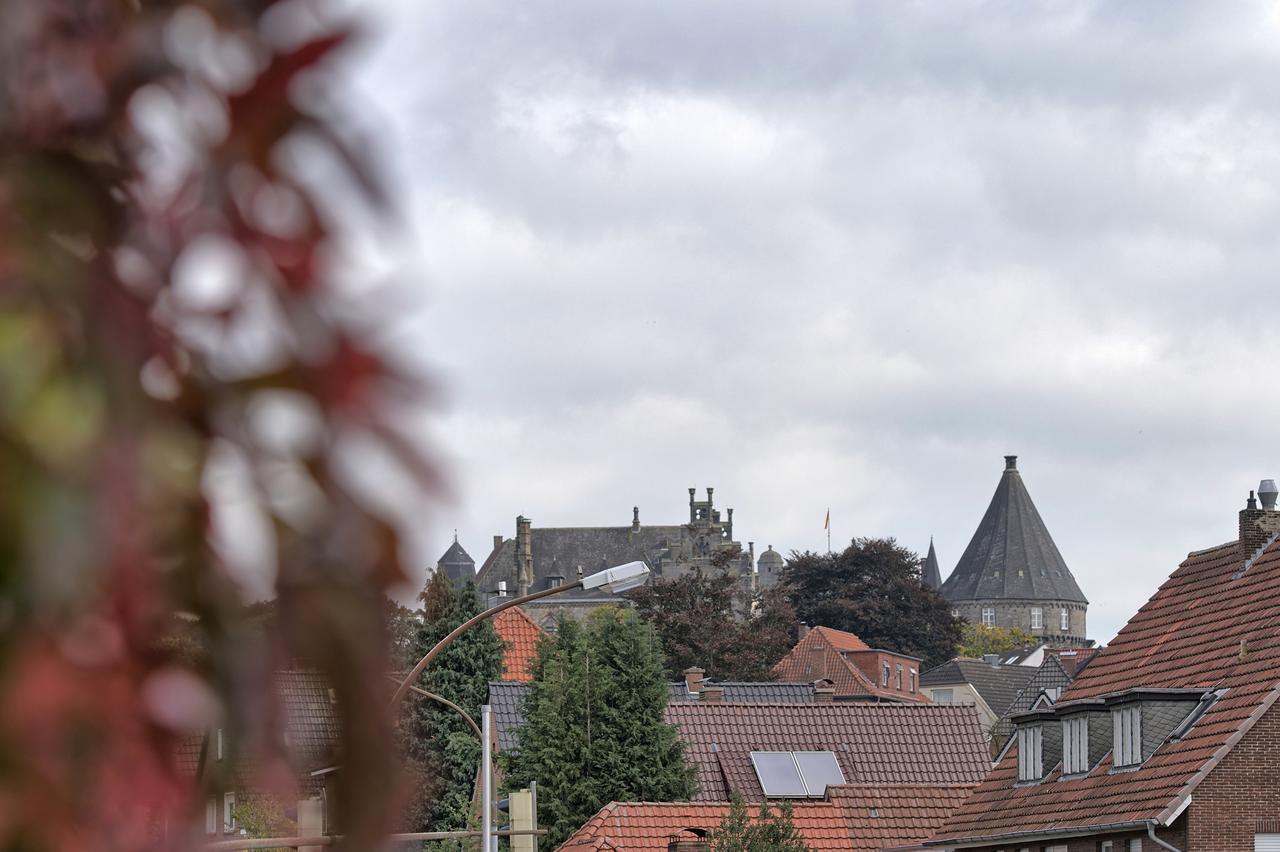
{"type": "Point", "coordinates": [1012, 613]}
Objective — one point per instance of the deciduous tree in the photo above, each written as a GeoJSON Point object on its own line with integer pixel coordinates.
{"type": "Point", "coordinates": [979, 639]}
{"type": "Point", "coordinates": [873, 589]}
{"type": "Point", "coordinates": [770, 831]}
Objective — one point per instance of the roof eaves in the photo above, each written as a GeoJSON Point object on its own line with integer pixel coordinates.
{"type": "Point", "coordinates": [1050, 834]}
{"type": "Point", "coordinates": [1175, 807]}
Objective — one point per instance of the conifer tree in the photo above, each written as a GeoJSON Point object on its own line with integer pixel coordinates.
{"type": "Point", "coordinates": [594, 730]}
{"type": "Point", "coordinates": [437, 736]}
{"type": "Point", "coordinates": [770, 832]}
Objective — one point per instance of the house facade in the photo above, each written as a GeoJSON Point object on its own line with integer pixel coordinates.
{"type": "Point", "coordinates": [855, 670]}
{"type": "Point", "coordinates": [1170, 737]}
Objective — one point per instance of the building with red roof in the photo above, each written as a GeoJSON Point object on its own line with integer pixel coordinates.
{"type": "Point", "coordinates": [857, 671]}
{"type": "Point", "coordinates": [1170, 735]}
{"type": "Point", "coordinates": [869, 743]}
{"type": "Point", "coordinates": [519, 634]}
{"type": "Point", "coordinates": [857, 817]}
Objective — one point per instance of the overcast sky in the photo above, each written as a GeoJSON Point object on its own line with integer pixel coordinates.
{"type": "Point", "coordinates": [845, 255]}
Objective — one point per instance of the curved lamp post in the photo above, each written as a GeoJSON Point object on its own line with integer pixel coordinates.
{"type": "Point", "coordinates": [613, 580]}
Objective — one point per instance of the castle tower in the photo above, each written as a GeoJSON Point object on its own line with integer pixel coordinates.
{"type": "Point", "coordinates": [457, 564]}
{"type": "Point", "coordinates": [929, 573]}
{"type": "Point", "coordinates": [1012, 575]}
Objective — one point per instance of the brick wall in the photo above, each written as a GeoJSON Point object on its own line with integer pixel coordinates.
{"type": "Point", "coordinates": [1240, 791]}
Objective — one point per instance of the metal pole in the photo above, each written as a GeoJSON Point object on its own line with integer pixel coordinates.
{"type": "Point", "coordinates": [487, 840]}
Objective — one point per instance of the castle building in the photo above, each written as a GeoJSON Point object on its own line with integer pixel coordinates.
{"type": "Point", "coordinates": [1012, 575]}
{"type": "Point", "coordinates": [539, 558]}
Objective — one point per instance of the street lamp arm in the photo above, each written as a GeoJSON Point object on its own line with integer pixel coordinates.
{"type": "Point", "coordinates": [467, 625]}
{"type": "Point", "coordinates": [446, 702]}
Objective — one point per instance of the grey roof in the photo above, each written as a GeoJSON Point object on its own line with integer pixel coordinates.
{"type": "Point", "coordinates": [770, 557]}
{"type": "Point", "coordinates": [506, 698]}
{"type": "Point", "coordinates": [1012, 555]}
{"type": "Point", "coordinates": [929, 572]}
{"type": "Point", "coordinates": [998, 685]}
{"type": "Point", "coordinates": [457, 564]}
{"type": "Point", "coordinates": [1049, 675]}
{"type": "Point", "coordinates": [561, 551]}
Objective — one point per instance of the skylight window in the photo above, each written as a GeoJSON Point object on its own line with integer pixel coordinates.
{"type": "Point", "coordinates": [796, 774]}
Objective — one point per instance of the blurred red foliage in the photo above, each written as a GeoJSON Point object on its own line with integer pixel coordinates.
{"type": "Point", "coordinates": [165, 274]}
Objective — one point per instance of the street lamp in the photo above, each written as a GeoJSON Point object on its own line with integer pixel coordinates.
{"type": "Point", "coordinates": [620, 578]}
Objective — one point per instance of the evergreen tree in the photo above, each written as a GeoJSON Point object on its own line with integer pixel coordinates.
{"type": "Point", "coordinates": [770, 832]}
{"type": "Point", "coordinates": [873, 589]}
{"type": "Point", "coordinates": [594, 730]}
{"type": "Point", "coordinates": [437, 736]}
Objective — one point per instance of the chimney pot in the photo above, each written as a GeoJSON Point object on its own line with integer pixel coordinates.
{"type": "Point", "coordinates": [804, 628]}
{"type": "Point", "coordinates": [693, 679]}
{"type": "Point", "coordinates": [712, 694]}
{"type": "Point", "coordinates": [1010, 462]}
{"type": "Point", "coordinates": [1267, 493]}
{"type": "Point", "coordinates": [635, 517]}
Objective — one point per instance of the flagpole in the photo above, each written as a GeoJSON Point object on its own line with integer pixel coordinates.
{"type": "Point", "coordinates": [828, 526]}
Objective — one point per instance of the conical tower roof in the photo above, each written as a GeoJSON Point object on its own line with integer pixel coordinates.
{"type": "Point", "coordinates": [929, 573]}
{"type": "Point", "coordinates": [457, 563]}
{"type": "Point", "coordinates": [1011, 555]}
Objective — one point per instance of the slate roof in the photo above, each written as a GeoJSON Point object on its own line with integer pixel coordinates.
{"type": "Point", "coordinates": [561, 550]}
{"type": "Point", "coordinates": [1011, 555]}
{"type": "Point", "coordinates": [930, 574]}
{"type": "Point", "coordinates": [873, 743]}
{"type": "Point", "coordinates": [521, 634]}
{"type": "Point", "coordinates": [1188, 636]}
{"type": "Point", "coordinates": [457, 564]}
{"type": "Point", "coordinates": [506, 699]}
{"type": "Point", "coordinates": [311, 718]}
{"type": "Point", "coordinates": [820, 655]}
{"type": "Point", "coordinates": [1048, 675]}
{"type": "Point", "coordinates": [905, 814]}
{"type": "Point", "coordinates": [998, 685]}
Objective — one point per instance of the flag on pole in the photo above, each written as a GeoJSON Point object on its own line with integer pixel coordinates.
{"type": "Point", "coordinates": [826, 525]}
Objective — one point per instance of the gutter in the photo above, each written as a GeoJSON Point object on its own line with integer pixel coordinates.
{"type": "Point", "coordinates": [1151, 833]}
{"type": "Point", "coordinates": [988, 839]}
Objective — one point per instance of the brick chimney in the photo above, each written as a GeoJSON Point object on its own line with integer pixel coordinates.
{"type": "Point", "coordinates": [693, 679]}
{"type": "Point", "coordinates": [824, 692]}
{"type": "Point", "coordinates": [804, 628]}
{"type": "Point", "coordinates": [1258, 525]}
{"type": "Point", "coordinates": [524, 555]}
{"type": "Point", "coordinates": [712, 694]}
{"type": "Point", "coordinates": [689, 840]}
{"type": "Point", "coordinates": [497, 542]}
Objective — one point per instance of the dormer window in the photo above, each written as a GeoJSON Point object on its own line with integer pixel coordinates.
{"type": "Point", "coordinates": [884, 674]}
{"type": "Point", "coordinates": [1030, 753]}
{"type": "Point", "coordinates": [1126, 735]}
{"type": "Point", "coordinates": [1075, 745]}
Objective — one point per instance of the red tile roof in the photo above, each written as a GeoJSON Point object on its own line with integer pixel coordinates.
{"type": "Point", "coordinates": [821, 654]}
{"type": "Point", "coordinates": [873, 743]}
{"type": "Point", "coordinates": [521, 634]}
{"type": "Point", "coordinates": [904, 814]}
{"type": "Point", "coordinates": [1209, 626]}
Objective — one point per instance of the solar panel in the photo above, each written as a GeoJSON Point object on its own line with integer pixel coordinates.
{"type": "Point", "coordinates": [779, 776]}
{"type": "Point", "coordinates": [817, 770]}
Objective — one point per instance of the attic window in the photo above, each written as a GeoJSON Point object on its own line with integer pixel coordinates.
{"type": "Point", "coordinates": [1030, 753]}
{"type": "Point", "coordinates": [1075, 745]}
{"type": "Point", "coordinates": [1126, 736]}
{"type": "Point", "coordinates": [796, 774]}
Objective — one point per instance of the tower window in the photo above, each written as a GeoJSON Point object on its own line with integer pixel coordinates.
{"type": "Point", "coordinates": [1066, 621]}
{"type": "Point", "coordinates": [988, 616]}
{"type": "Point", "coordinates": [1037, 618]}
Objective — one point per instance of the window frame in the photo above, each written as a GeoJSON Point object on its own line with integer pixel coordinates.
{"type": "Point", "coordinates": [1037, 618]}
{"type": "Point", "coordinates": [1126, 739]}
{"type": "Point", "coordinates": [1030, 753]}
{"type": "Point", "coordinates": [1075, 745]}
{"type": "Point", "coordinates": [1064, 621]}
{"type": "Point", "coordinates": [988, 616]}
{"type": "Point", "coordinates": [228, 813]}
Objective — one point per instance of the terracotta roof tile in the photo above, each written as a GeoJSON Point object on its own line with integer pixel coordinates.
{"type": "Point", "coordinates": [823, 654]}
{"type": "Point", "coordinates": [1208, 626]}
{"type": "Point", "coordinates": [520, 635]}
{"type": "Point", "coordinates": [873, 743]}
{"type": "Point", "coordinates": [904, 814]}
